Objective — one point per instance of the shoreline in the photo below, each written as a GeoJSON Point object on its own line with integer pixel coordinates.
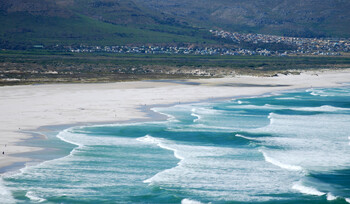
{"type": "Point", "coordinates": [55, 105]}
{"type": "Point", "coordinates": [151, 116]}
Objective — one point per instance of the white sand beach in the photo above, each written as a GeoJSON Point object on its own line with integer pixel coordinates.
{"type": "Point", "coordinates": [25, 108]}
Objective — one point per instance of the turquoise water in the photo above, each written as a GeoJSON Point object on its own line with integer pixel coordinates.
{"type": "Point", "coordinates": [283, 148]}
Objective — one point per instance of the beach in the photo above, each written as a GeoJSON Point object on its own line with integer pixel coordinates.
{"type": "Point", "coordinates": [26, 108]}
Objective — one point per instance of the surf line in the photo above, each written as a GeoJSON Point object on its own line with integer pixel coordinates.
{"type": "Point", "coordinates": [307, 190]}
{"type": "Point", "coordinates": [280, 164]}
{"type": "Point", "coordinates": [198, 117]}
{"type": "Point", "coordinates": [160, 143]}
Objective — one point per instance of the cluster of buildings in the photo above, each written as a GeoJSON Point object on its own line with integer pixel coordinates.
{"type": "Point", "coordinates": [315, 46]}
{"type": "Point", "coordinates": [260, 42]}
{"type": "Point", "coordinates": [171, 50]}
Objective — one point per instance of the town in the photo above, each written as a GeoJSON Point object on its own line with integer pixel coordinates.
{"type": "Point", "coordinates": [313, 46]}
{"type": "Point", "coordinates": [242, 44]}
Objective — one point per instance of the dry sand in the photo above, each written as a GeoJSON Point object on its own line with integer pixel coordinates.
{"type": "Point", "coordinates": [25, 108]}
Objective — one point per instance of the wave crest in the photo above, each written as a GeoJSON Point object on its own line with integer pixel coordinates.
{"type": "Point", "coordinates": [307, 190]}
{"type": "Point", "coordinates": [280, 164]}
{"type": "Point", "coordinates": [188, 201]}
{"type": "Point", "coordinates": [31, 195]}
{"type": "Point", "coordinates": [198, 117]}
{"type": "Point", "coordinates": [330, 196]}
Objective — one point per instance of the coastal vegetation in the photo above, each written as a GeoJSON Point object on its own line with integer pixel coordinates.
{"type": "Point", "coordinates": [42, 66]}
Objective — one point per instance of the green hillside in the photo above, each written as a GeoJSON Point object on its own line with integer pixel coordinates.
{"type": "Point", "coordinates": [21, 30]}
{"type": "Point", "coordinates": [88, 22]}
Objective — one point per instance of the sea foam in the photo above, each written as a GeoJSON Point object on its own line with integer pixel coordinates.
{"type": "Point", "coordinates": [64, 134]}
{"type": "Point", "coordinates": [245, 137]}
{"type": "Point", "coordinates": [161, 143]}
{"type": "Point", "coordinates": [330, 196]}
{"type": "Point", "coordinates": [5, 194]}
{"type": "Point", "coordinates": [207, 168]}
{"type": "Point", "coordinates": [316, 92]}
{"type": "Point", "coordinates": [280, 164]}
{"type": "Point", "coordinates": [198, 117]}
{"type": "Point", "coordinates": [325, 108]}
{"type": "Point", "coordinates": [188, 201]}
{"type": "Point", "coordinates": [307, 190]}
{"type": "Point", "coordinates": [170, 117]}
{"type": "Point", "coordinates": [31, 195]}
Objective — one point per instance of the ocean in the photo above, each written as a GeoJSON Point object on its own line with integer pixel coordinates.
{"type": "Point", "coordinates": [289, 147]}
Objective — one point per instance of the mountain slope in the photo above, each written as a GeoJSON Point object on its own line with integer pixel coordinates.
{"type": "Point", "coordinates": [114, 11]}
{"type": "Point", "coordinates": [305, 18]}
{"type": "Point", "coordinates": [36, 7]}
{"type": "Point", "coordinates": [25, 23]}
